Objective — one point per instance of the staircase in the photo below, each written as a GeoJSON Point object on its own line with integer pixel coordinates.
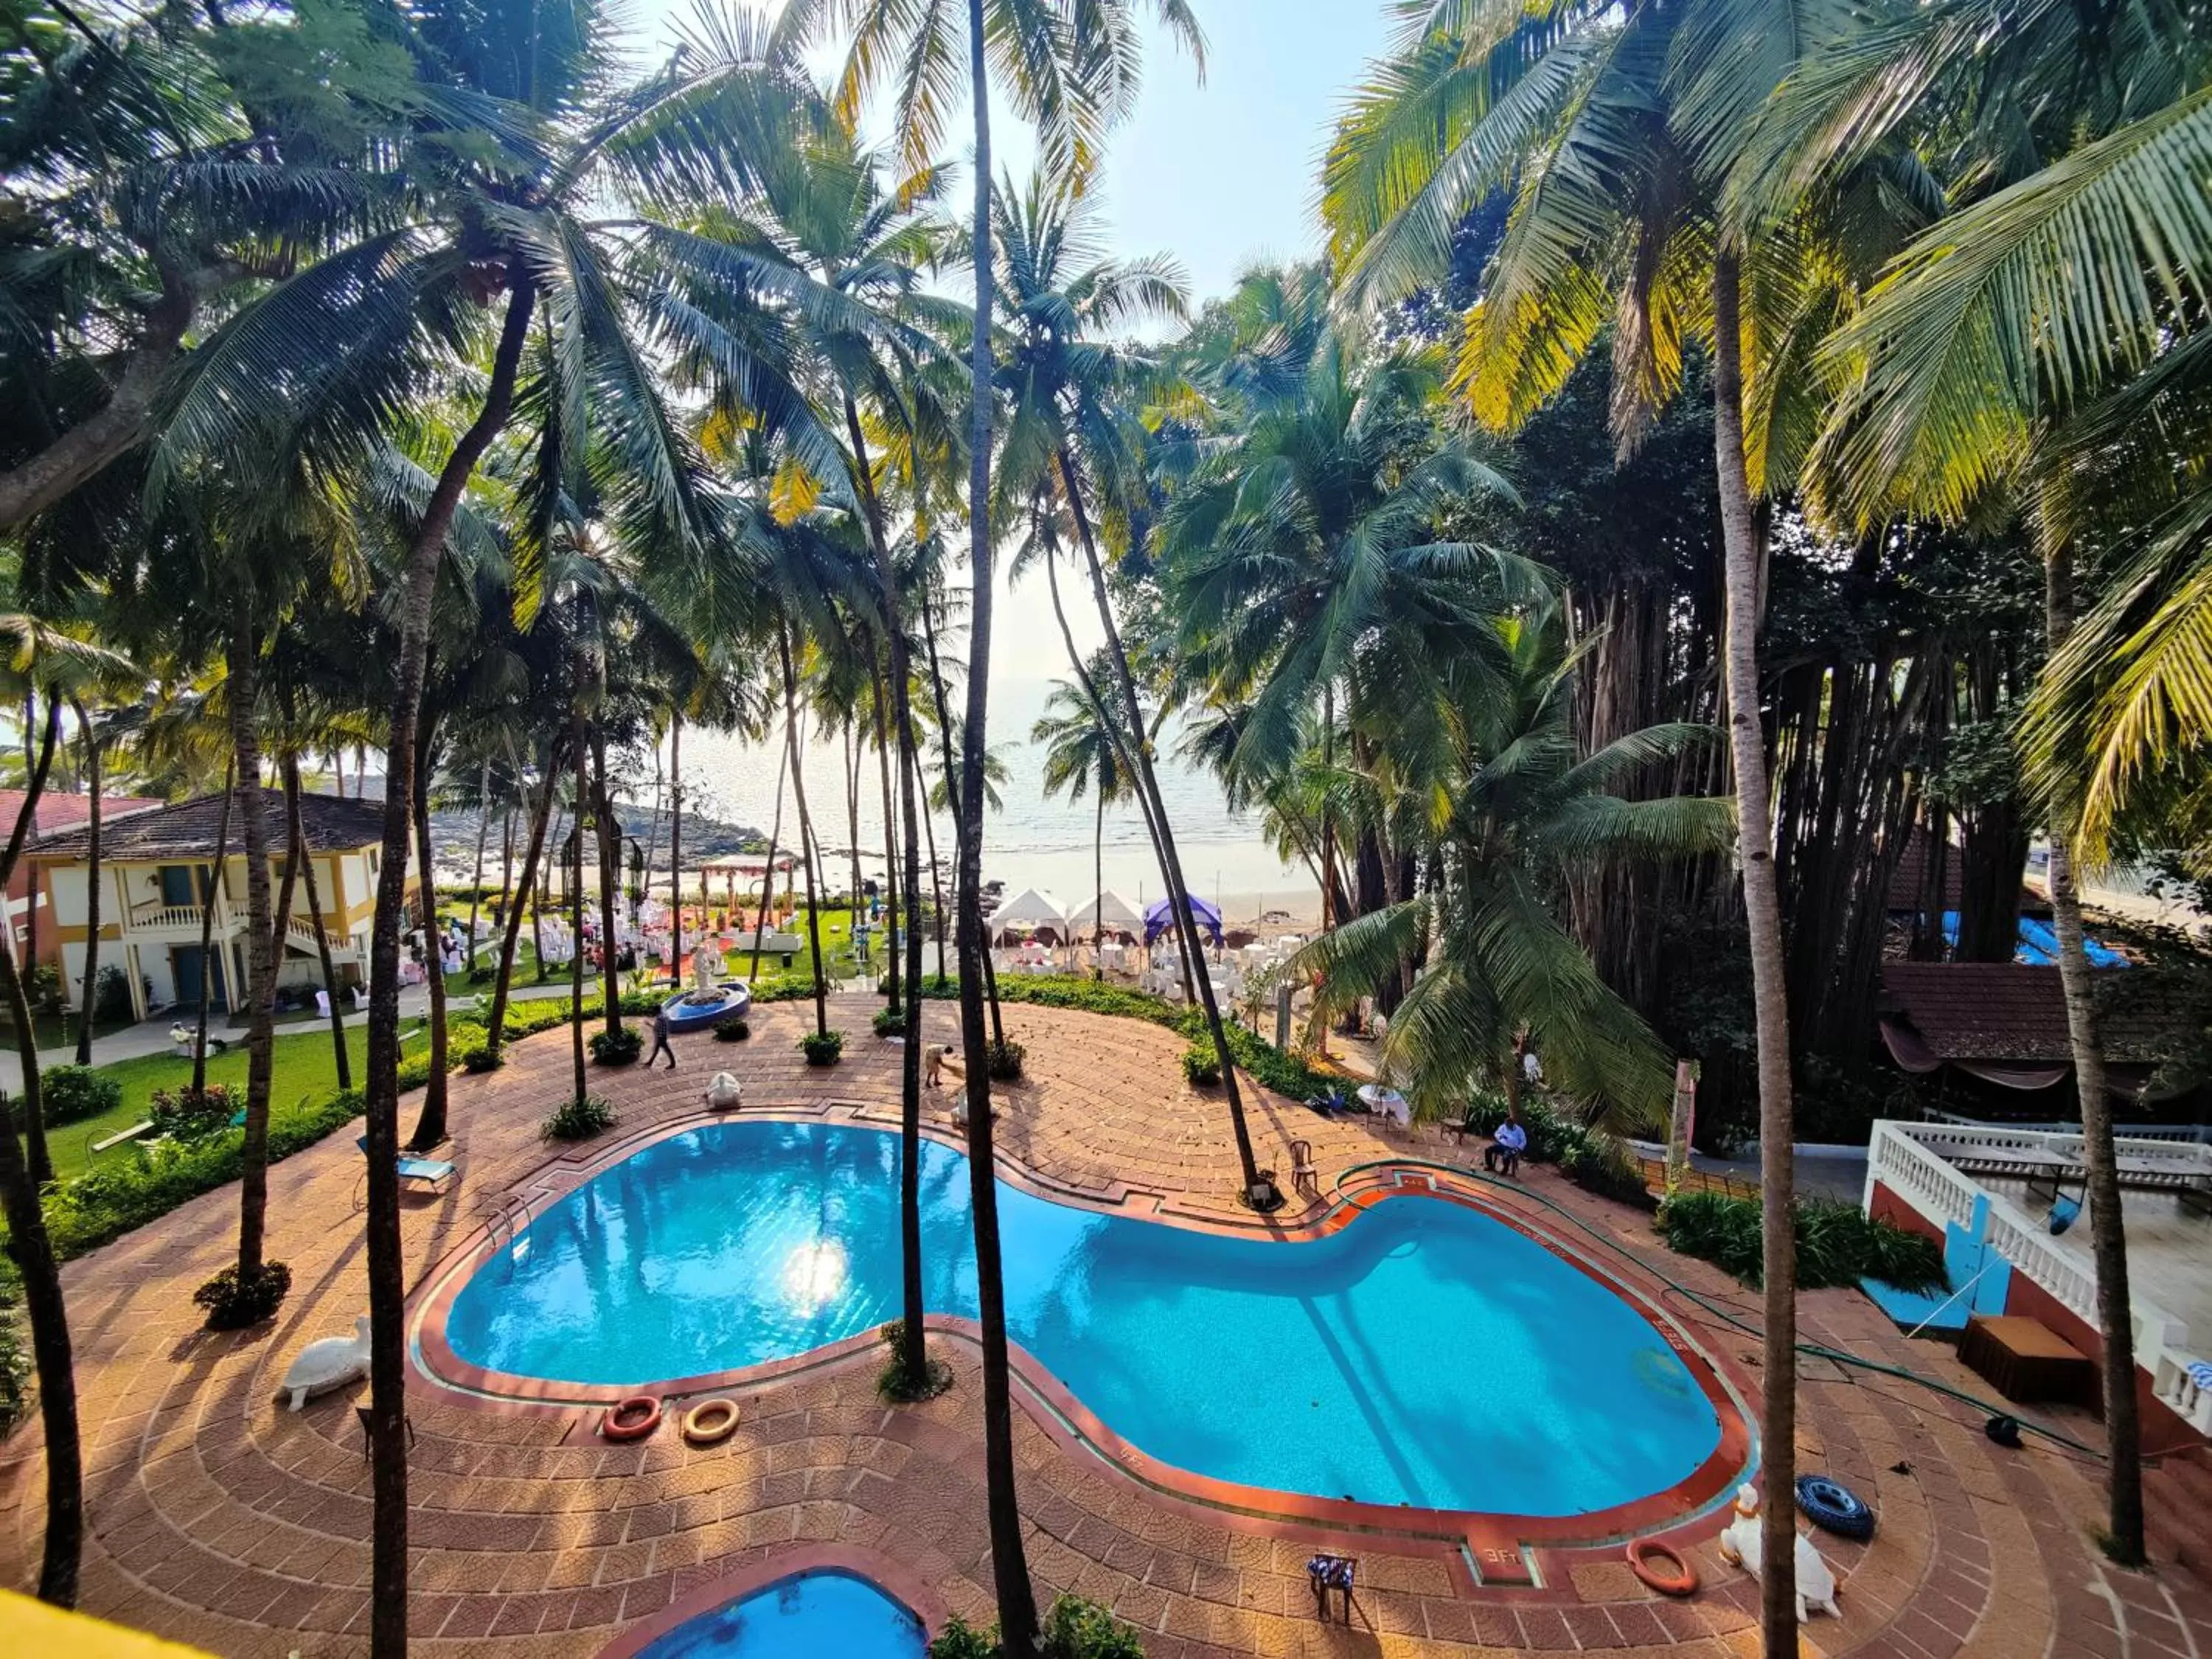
{"type": "Point", "coordinates": [2177, 1497]}
{"type": "Point", "coordinates": [302, 934]}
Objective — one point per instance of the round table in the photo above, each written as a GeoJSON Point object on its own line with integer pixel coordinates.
{"type": "Point", "coordinates": [1386, 1102]}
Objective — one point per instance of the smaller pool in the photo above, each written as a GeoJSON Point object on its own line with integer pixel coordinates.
{"type": "Point", "coordinates": [812, 1615]}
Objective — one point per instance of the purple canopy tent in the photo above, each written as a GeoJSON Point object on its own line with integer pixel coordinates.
{"type": "Point", "coordinates": [1159, 920]}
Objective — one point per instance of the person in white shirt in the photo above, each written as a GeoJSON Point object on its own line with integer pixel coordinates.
{"type": "Point", "coordinates": [1502, 1155]}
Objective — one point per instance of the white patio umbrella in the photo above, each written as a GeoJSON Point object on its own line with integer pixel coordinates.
{"type": "Point", "coordinates": [1119, 916]}
{"type": "Point", "coordinates": [1030, 910]}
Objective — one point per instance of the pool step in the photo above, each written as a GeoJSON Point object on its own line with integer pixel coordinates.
{"type": "Point", "coordinates": [2177, 1497]}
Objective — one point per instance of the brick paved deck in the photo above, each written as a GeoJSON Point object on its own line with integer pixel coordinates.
{"type": "Point", "coordinates": [218, 1518]}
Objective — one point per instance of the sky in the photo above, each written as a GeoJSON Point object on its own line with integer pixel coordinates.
{"type": "Point", "coordinates": [1221, 175]}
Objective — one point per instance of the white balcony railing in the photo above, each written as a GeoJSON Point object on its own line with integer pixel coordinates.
{"type": "Point", "coordinates": [179, 918]}
{"type": "Point", "coordinates": [1915, 1162]}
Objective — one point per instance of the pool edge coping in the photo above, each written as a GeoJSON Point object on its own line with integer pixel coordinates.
{"type": "Point", "coordinates": [889, 1577]}
{"type": "Point", "coordinates": [1487, 1549]}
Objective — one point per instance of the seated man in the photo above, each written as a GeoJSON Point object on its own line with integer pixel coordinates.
{"type": "Point", "coordinates": [1502, 1155]}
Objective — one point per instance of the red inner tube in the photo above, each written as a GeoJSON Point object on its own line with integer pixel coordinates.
{"type": "Point", "coordinates": [1681, 1582]}
{"type": "Point", "coordinates": [632, 1419]}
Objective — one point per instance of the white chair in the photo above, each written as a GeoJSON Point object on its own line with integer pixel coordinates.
{"type": "Point", "coordinates": [323, 1004]}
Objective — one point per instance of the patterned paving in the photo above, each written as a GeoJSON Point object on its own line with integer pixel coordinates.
{"type": "Point", "coordinates": [218, 1518]}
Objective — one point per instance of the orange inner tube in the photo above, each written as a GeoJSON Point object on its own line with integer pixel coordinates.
{"type": "Point", "coordinates": [1681, 1582]}
{"type": "Point", "coordinates": [632, 1419]}
{"type": "Point", "coordinates": [710, 1422]}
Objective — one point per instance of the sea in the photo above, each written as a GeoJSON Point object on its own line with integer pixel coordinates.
{"type": "Point", "coordinates": [1028, 839]}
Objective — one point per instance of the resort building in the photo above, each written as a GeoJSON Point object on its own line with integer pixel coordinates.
{"type": "Point", "coordinates": [57, 811]}
{"type": "Point", "coordinates": [158, 878]}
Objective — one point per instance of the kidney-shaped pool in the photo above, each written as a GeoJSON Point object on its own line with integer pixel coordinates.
{"type": "Point", "coordinates": [1424, 1355]}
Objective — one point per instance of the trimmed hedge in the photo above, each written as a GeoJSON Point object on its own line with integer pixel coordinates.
{"type": "Point", "coordinates": [71, 1094]}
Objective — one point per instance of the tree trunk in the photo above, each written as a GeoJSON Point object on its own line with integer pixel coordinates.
{"type": "Point", "coordinates": [609, 843]}
{"type": "Point", "coordinates": [1745, 571]}
{"type": "Point", "coordinates": [576, 893]}
{"type": "Point", "coordinates": [806, 828]}
{"type": "Point", "coordinates": [1171, 860]}
{"type": "Point", "coordinates": [952, 798]}
{"type": "Point", "coordinates": [260, 950]}
{"type": "Point", "coordinates": [2108, 1238]}
{"type": "Point", "coordinates": [218, 882]}
{"type": "Point", "coordinates": [676, 847]}
{"type": "Point", "coordinates": [87, 1009]}
{"type": "Point", "coordinates": [484, 828]}
{"type": "Point", "coordinates": [387, 1289]}
{"type": "Point", "coordinates": [774, 836]}
{"type": "Point", "coordinates": [851, 780]}
{"type": "Point", "coordinates": [31, 1251]}
{"type": "Point", "coordinates": [1017, 1616]}
{"type": "Point", "coordinates": [305, 854]}
{"type": "Point", "coordinates": [893, 997]}
{"type": "Point", "coordinates": [1098, 878]}
{"type": "Point", "coordinates": [430, 1121]}
{"type": "Point", "coordinates": [914, 1354]}
{"type": "Point", "coordinates": [511, 939]}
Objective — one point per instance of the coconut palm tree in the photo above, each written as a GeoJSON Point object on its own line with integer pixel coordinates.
{"type": "Point", "coordinates": [1082, 752]}
{"type": "Point", "coordinates": [1515, 809]}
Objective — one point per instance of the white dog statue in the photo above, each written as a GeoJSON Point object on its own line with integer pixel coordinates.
{"type": "Point", "coordinates": [723, 1093]}
{"type": "Point", "coordinates": [1742, 1542]}
{"type": "Point", "coordinates": [328, 1362]}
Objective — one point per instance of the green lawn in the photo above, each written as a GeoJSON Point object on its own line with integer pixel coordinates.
{"type": "Point", "coordinates": [307, 1069]}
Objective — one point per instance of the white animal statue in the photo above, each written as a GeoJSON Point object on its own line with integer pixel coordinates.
{"type": "Point", "coordinates": [706, 969]}
{"type": "Point", "coordinates": [1741, 1542]}
{"type": "Point", "coordinates": [328, 1362]}
{"type": "Point", "coordinates": [723, 1093]}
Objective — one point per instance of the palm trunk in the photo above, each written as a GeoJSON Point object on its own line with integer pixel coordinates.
{"type": "Point", "coordinates": [260, 955]}
{"type": "Point", "coordinates": [1261, 1193]}
{"type": "Point", "coordinates": [576, 893]}
{"type": "Point", "coordinates": [1098, 878]}
{"type": "Point", "coordinates": [768, 878]}
{"type": "Point", "coordinates": [608, 842]}
{"type": "Point", "coordinates": [676, 847]}
{"type": "Point", "coordinates": [305, 854]}
{"type": "Point", "coordinates": [32, 1250]}
{"type": "Point", "coordinates": [430, 1121]}
{"type": "Point", "coordinates": [806, 828]}
{"type": "Point", "coordinates": [387, 1288]}
{"type": "Point", "coordinates": [476, 891]}
{"type": "Point", "coordinates": [511, 939]}
{"type": "Point", "coordinates": [2108, 1240]}
{"type": "Point", "coordinates": [953, 799]}
{"type": "Point", "coordinates": [852, 782]}
{"type": "Point", "coordinates": [894, 997]}
{"type": "Point", "coordinates": [1745, 559]}
{"type": "Point", "coordinates": [88, 1007]}
{"type": "Point", "coordinates": [218, 882]}
{"type": "Point", "coordinates": [914, 1356]}
{"type": "Point", "coordinates": [1017, 1616]}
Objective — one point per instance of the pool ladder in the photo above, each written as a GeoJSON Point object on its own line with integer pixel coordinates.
{"type": "Point", "coordinates": [515, 1220]}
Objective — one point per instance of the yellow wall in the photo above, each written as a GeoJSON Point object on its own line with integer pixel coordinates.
{"type": "Point", "coordinates": [30, 1627]}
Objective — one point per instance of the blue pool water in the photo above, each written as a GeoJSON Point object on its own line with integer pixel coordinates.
{"type": "Point", "coordinates": [815, 1615]}
{"type": "Point", "coordinates": [1426, 1354]}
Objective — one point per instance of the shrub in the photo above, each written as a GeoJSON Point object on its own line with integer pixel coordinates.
{"type": "Point", "coordinates": [1074, 1629]}
{"type": "Point", "coordinates": [185, 1116]}
{"type": "Point", "coordinates": [111, 996]}
{"type": "Point", "coordinates": [1836, 1244]}
{"type": "Point", "coordinates": [15, 1364]}
{"type": "Point", "coordinates": [822, 1048]}
{"type": "Point", "coordinates": [480, 1059]}
{"type": "Point", "coordinates": [72, 1093]}
{"type": "Point", "coordinates": [579, 1119]}
{"type": "Point", "coordinates": [121, 1193]}
{"type": "Point", "coordinates": [732, 1031]}
{"type": "Point", "coordinates": [1002, 1060]}
{"type": "Point", "coordinates": [233, 1303]}
{"type": "Point", "coordinates": [1201, 1065]}
{"type": "Point", "coordinates": [619, 1047]}
{"type": "Point", "coordinates": [42, 985]}
{"type": "Point", "coordinates": [889, 1023]}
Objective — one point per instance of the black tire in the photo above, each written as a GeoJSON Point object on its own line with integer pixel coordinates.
{"type": "Point", "coordinates": [1833, 1507]}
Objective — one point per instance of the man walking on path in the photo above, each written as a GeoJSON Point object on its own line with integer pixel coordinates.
{"type": "Point", "coordinates": [661, 1041]}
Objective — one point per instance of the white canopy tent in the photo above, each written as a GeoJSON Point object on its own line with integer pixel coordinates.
{"type": "Point", "coordinates": [1119, 916]}
{"type": "Point", "coordinates": [1029, 911]}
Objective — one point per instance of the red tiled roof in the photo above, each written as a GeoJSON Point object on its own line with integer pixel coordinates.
{"type": "Point", "coordinates": [2007, 1011]}
{"type": "Point", "coordinates": [187, 829]}
{"type": "Point", "coordinates": [1908, 883]}
{"type": "Point", "coordinates": [59, 810]}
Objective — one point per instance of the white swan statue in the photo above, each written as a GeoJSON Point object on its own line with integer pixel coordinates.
{"type": "Point", "coordinates": [723, 1093]}
{"type": "Point", "coordinates": [1742, 1542]}
{"type": "Point", "coordinates": [328, 1362]}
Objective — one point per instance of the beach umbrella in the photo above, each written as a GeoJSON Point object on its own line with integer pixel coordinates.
{"type": "Point", "coordinates": [1158, 919]}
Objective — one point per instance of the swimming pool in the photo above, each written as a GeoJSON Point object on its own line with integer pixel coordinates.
{"type": "Point", "coordinates": [805, 1616]}
{"type": "Point", "coordinates": [1426, 1354]}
